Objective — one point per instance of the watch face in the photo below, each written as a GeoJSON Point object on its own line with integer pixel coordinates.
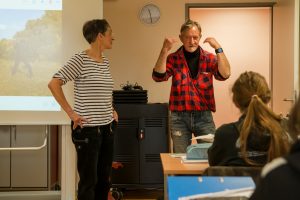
{"type": "Point", "coordinates": [149, 14]}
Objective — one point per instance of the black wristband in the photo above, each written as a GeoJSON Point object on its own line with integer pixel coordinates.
{"type": "Point", "coordinates": [219, 50]}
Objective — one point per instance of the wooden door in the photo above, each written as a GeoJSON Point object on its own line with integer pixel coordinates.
{"type": "Point", "coordinates": [245, 36]}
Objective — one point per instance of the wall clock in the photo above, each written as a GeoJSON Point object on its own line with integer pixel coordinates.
{"type": "Point", "coordinates": [149, 14]}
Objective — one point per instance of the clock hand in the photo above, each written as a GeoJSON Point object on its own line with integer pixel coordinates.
{"type": "Point", "coordinates": [150, 15]}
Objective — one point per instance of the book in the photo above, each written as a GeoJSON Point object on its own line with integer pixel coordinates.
{"type": "Point", "coordinates": [199, 187]}
{"type": "Point", "coordinates": [185, 160]}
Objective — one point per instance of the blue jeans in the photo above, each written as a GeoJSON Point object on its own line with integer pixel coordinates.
{"type": "Point", "coordinates": [94, 147]}
{"type": "Point", "coordinates": [183, 124]}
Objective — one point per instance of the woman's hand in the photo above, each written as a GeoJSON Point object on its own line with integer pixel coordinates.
{"type": "Point", "coordinates": [77, 120]}
{"type": "Point", "coordinates": [115, 116]}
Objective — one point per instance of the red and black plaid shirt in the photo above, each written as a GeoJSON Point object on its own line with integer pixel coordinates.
{"type": "Point", "coordinates": [189, 94]}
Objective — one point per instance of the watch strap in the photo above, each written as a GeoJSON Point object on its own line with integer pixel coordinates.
{"type": "Point", "coordinates": [218, 50]}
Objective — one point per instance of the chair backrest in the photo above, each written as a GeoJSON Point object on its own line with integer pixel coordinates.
{"type": "Point", "coordinates": [254, 172]}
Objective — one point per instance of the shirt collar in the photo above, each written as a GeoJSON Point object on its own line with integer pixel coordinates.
{"type": "Point", "coordinates": [181, 53]}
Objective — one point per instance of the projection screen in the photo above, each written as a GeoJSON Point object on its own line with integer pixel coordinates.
{"type": "Point", "coordinates": [30, 53]}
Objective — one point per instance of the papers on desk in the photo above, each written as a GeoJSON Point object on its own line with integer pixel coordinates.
{"type": "Point", "coordinates": [184, 160]}
{"type": "Point", "coordinates": [206, 138]}
{"type": "Point", "coordinates": [242, 192]}
{"type": "Point", "coordinates": [177, 155]}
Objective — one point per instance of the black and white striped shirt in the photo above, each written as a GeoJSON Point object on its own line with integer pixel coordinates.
{"type": "Point", "coordinates": [93, 86]}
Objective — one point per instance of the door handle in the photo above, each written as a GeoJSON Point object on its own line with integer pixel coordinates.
{"type": "Point", "coordinates": [292, 99]}
{"type": "Point", "coordinates": [25, 148]}
{"type": "Point", "coordinates": [288, 99]}
{"type": "Point", "coordinates": [141, 134]}
{"type": "Point", "coordinates": [35, 148]}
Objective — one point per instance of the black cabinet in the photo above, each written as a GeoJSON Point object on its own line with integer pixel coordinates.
{"type": "Point", "coordinates": [141, 135]}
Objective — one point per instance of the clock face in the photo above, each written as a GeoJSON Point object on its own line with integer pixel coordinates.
{"type": "Point", "coordinates": [149, 14]}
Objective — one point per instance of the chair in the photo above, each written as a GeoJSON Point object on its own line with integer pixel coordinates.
{"type": "Point", "coordinates": [254, 172]}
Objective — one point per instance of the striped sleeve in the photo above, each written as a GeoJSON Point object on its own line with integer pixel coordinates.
{"type": "Point", "coordinates": [70, 70]}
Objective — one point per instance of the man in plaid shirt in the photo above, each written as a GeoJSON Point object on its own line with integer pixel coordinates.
{"type": "Point", "coordinates": [192, 93]}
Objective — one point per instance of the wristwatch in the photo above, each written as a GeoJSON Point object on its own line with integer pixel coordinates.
{"type": "Point", "coordinates": [218, 50]}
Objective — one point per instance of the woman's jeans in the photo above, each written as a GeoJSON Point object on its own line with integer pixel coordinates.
{"type": "Point", "coordinates": [183, 124]}
{"type": "Point", "coordinates": [94, 146]}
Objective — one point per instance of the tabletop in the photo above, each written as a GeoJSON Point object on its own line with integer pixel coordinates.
{"type": "Point", "coordinates": [174, 165]}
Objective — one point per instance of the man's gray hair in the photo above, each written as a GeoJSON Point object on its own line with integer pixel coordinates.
{"type": "Point", "coordinates": [189, 24]}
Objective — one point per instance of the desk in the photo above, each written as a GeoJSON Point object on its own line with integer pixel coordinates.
{"type": "Point", "coordinates": [173, 166]}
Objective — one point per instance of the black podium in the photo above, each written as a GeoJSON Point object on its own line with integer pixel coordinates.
{"type": "Point", "coordinates": [141, 135]}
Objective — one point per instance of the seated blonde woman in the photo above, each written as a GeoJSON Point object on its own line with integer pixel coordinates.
{"type": "Point", "coordinates": [280, 179]}
{"type": "Point", "coordinates": [257, 137]}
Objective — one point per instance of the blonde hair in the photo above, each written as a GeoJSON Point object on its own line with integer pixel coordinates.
{"type": "Point", "coordinates": [251, 95]}
{"type": "Point", "coordinates": [190, 24]}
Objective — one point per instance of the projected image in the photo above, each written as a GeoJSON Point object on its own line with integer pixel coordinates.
{"type": "Point", "coordinates": [30, 52]}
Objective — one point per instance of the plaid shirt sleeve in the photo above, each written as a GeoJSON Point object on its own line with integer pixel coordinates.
{"type": "Point", "coordinates": [215, 68]}
{"type": "Point", "coordinates": [159, 77]}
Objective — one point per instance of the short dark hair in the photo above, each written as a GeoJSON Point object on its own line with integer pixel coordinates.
{"type": "Point", "coordinates": [93, 27]}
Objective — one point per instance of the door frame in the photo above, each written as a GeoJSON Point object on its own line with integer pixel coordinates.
{"type": "Point", "coordinates": [188, 6]}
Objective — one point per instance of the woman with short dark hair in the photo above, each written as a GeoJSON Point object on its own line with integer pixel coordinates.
{"type": "Point", "coordinates": [93, 116]}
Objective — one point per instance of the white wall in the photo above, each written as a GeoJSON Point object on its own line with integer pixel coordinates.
{"type": "Point", "coordinates": [76, 12]}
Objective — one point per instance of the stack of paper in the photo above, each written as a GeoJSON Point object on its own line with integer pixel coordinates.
{"type": "Point", "coordinates": [177, 155]}
{"type": "Point", "coordinates": [184, 160]}
{"type": "Point", "coordinates": [206, 138]}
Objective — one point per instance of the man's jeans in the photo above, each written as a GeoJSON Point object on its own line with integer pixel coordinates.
{"type": "Point", "coordinates": [183, 124]}
{"type": "Point", "coordinates": [94, 146]}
